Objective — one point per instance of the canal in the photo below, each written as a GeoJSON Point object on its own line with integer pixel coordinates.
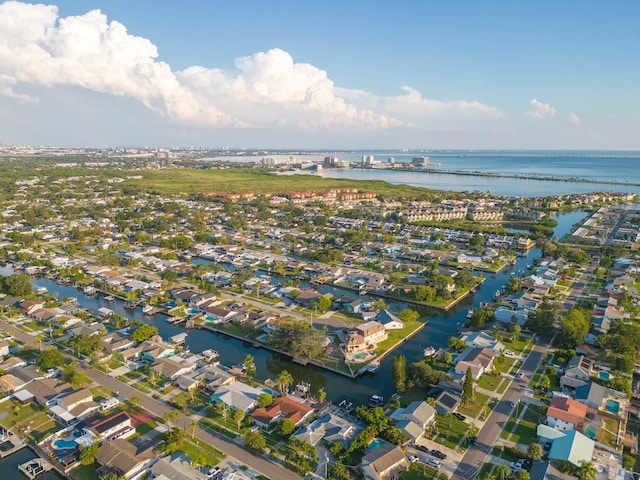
{"type": "Point", "coordinates": [441, 326]}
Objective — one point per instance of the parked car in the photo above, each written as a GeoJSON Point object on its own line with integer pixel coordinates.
{"type": "Point", "coordinates": [438, 454]}
{"type": "Point", "coordinates": [431, 462]}
{"type": "Point", "coordinates": [459, 416]}
{"type": "Point", "coordinates": [413, 458]}
{"type": "Point", "coordinates": [422, 448]}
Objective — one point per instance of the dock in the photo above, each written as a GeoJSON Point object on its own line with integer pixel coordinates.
{"type": "Point", "coordinates": [35, 467]}
{"type": "Point", "coordinates": [9, 443]}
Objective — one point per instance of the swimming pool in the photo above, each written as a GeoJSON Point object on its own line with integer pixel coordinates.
{"type": "Point", "coordinates": [604, 375]}
{"type": "Point", "coordinates": [375, 443]}
{"type": "Point", "coordinates": [63, 444]}
{"type": "Point", "coordinates": [360, 356]}
{"type": "Point", "coordinates": [612, 405]}
{"type": "Point", "coordinates": [590, 431]}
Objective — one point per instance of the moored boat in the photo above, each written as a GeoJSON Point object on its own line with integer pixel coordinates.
{"type": "Point", "coordinates": [429, 351]}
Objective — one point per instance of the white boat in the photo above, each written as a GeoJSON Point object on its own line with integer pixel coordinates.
{"type": "Point", "coordinates": [89, 290]}
{"type": "Point", "coordinates": [109, 298]}
{"type": "Point", "coordinates": [376, 400]}
{"type": "Point", "coordinates": [147, 309]}
{"type": "Point", "coordinates": [470, 313]}
{"type": "Point", "coordinates": [429, 351]}
{"type": "Point", "coordinates": [42, 290]}
{"type": "Point", "coordinates": [497, 294]}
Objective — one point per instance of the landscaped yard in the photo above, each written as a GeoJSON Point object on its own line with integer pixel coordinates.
{"type": "Point", "coordinates": [419, 471]}
{"type": "Point", "coordinates": [476, 406]}
{"type": "Point", "coordinates": [450, 430]}
{"type": "Point", "coordinates": [524, 430]}
{"type": "Point", "coordinates": [489, 382]}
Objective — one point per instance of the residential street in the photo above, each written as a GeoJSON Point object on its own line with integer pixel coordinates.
{"type": "Point", "coordinates": [474, 458]}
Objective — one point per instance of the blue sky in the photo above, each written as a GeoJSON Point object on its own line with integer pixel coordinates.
{"type": "Point", "coordinates": [357, 74]}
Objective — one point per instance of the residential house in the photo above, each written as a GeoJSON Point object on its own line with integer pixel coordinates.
{"type": "Point", "coordinates": [307, 297]}
{"type": "Point", "coordinates": [72, 407]}
{"type": "Point", "coordinates": [172, 367]}
{"type": "Point", "coordinates": [237, 395]}
{"type": "Point", "coordinates": [414, 419]}
{"type": "Point", "coordinates": [90, 329]}
{"type": "Point", "coordinates": [482, 340]}
{"type": "Point", "coordinates": [384, 462]}
{"type": "Point", "coordinates": [389, 320]}
{"type": "Point", "coordinates": [594, 396]}
{"type": "Point", "coordinates": [331, 428]}
{"type": "Point", "coordinates": [214, 376]}
{"type": "Point", "coordinates": [123, 458]}
{"type": "Point", "coordinates": [10, 383]}
{"type": "Point", "coordinates": [573, 447]}
{"type": "Point", "coordinates": [154, 348]}
{"type": "Point", "coordinates": [4, 348]}
{"type": "Point", "coordinates": [365, 335]}
{"type": "Point", "coordinates": [511, 317]}
{"type": "Point", "coordinates": [579, 368]}
{"type": "Point", "coordinates": [479, 360]}
{"type": "Point", "coordinates": [447, 402]}
{"type": "Point", "coordinates": [177, 466]}
{"type": "Point", "coordinates": [29, 307]}
{"type": "Point", "coordinates": [45, 390]}
{"type": "Point", "coordinates": [282, 407]}
{"type": "Point", "coordinates": [566, 414]}
{"type": "Point", "coordinates": [117, 425]}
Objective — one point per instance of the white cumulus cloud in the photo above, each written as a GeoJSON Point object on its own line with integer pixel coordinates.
{"type": "Point", "coordinates": [538, 109]}
{"type": "Point", "coordinates": [575, 119]}
{"type": "Point", "coordinates": [264, 90]}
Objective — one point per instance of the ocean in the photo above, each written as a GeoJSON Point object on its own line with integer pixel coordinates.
{"type": "Point", "coordinates": [567, 168]}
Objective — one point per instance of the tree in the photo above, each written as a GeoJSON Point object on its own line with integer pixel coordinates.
{"type": "Point", "coordinates": [467, 386]}
{"type": "Point", "coordinates": [408, 315]}
{"type": "Point", "coordinates": [249, 366]}
{"type": "Point", "coordinates": [85, 344]}
{"type": "Point", "coordinates": [50, 358]}
{"type": "Point", "coordinates": [545, 382]}
{"type": "Point", "coordinates": [238, 416]}
{"type": "Point", "coordinates": [321, 394]}
{"type": "Point", "coordinates": [255, 440]}
{"type": "Point", "coordinates": [586, 471]}
{"type": "Point", "coordinates": [515, 333]}
{"type": "Point", "coordinates": [447, 357]}
{"type": "Point", "coordinates": [284, 380]}
{"type": "Point", "coordinates": [297, 337]}
{"type": "Point", "coordinates": [541, 320]}
{"type": "Point", "coordinates": [17, 285]}
{"type": "Point", "coordinates": [457, 344]}
{"type": "Point", "coordinates": [399, 373]}
{"type": "Point", "coordinates": [323, 304]}
{"type": "Point", "coordinates": [523, 475]}
{"type": "Point", "coordinates": [264, 400]}
{"type": "Point", "coordinates": [171, 417]}
{"type": "Point", "coordinates": [286, 427]}
{"type": "Point", "coordinates": [144, 332]}
{"type": "Point", "coordinates": [88, 454]}
{"type": "Point", "coordinates": [575, 325]}
{"type": "Point", "coordinates": [502, 472]}
{"type": "Point", "coordinates": [535, 451]}
{"type": "Point", "coordinates": [134, 401]}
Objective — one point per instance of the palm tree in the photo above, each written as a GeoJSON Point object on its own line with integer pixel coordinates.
{"type": "Point", "coordinates": [586, 471]}
{"type": "Point", "coordinates": [238, 416]}
{"type": "Point", "coordinates": [502, 472]}
{"type": "Point", "coordinates": [284, 381]}
{"type": "Point", "coordinates": [321, 394]}
{"type": "Point", "coordinates": [170, 417]}
{"type": "Point", "coordinates": [194, 425]}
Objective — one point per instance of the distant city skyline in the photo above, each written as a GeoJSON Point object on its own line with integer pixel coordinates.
{"type": "Point", "coordinates": [325, 75]}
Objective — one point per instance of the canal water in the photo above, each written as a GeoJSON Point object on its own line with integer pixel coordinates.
{"type": "Point", "coordinates": [441, 326]}
{"type": "Point", "coordinates": [9, 467]}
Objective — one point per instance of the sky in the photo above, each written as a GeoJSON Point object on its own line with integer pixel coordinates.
{"type": "Point", "coordinates": [357, 74]}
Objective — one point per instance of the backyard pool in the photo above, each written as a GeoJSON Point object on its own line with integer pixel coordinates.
{"type": "Point", "coordinates": [360, 356]}
{"type": "Point", "coordinates": [62, 444]}
{"type": "Point", "coordinates": [590, 431]}
{"type": "Point", "coordinates": [612, 406]}
{"type": "Point", "coordinates": [604, 375]}
{"type": "Point", "coordinates": [375, 443]}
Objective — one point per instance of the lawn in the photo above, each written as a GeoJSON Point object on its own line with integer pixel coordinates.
{"type": "Point", "coordinates": [503, 386]}
{"type": "Point", "coordinates": [84, 472]}
{"type": "Point", "coordinates": [399, 335]}
{"type": "Point", "coordinates": [201, 452]}
{"type": "Point", "coordinates": [450, 430]}
{"type": "Point", "coordinates": [29, 415]}
{"type": "Point", "coordinates": [489, 382]}
{"type": "Point", "coordinates": [524, 431]}
{"type": "Point", "coordinates": [475, 406]}
{"type": "Point", "coordinates": [419, 471]}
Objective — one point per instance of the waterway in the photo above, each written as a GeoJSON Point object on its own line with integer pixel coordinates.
{"type": "Point", "coordinates": [9, 467]}
{"type": "Point", "coordinates": [441, 325]}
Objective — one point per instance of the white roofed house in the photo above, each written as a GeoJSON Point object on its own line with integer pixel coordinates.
{"type": "Point", "coordinates": [71, 408]}
{"type": "Point", "coordinates": [414, 419]}
{"type": "Point", "coordinates": [389, 320]}
{"type": "Point", "coordinates": [238, 395]}
{"type": "Point", "coordinates": [482, 340]}
{"type": "Point", "coordinates": [479, 360]}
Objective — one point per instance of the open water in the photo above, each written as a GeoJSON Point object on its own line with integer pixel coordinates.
{"type": "Point", "coordinates": [566, 168]}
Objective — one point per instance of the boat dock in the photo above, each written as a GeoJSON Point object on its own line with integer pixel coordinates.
{"type": "Point", "coordinates": [9, 443]}
{"type": "Point", "coordinates": [35, 467]}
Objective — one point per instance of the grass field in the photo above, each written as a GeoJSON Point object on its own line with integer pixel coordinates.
{"type": "Point", "coordinates": [451, 430]}
{"type": "Point", "coordinates": [475, 406]}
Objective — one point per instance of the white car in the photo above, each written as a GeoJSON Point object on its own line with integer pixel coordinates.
{"type": "Point", "coordinates": [432, 462]}
{"type": "Point", "coordinates": [413, 458]}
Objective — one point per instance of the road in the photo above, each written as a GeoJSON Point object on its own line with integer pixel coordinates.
{"type": "Point", "coordinates": [474, 458]}
{"type": "Point", "coordinates": [158, 409]}
{"type": "Point", "coordinates": [222, 443]}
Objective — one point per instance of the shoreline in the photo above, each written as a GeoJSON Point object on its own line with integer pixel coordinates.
{"type": "Point", "coordinates": [476, 173]}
